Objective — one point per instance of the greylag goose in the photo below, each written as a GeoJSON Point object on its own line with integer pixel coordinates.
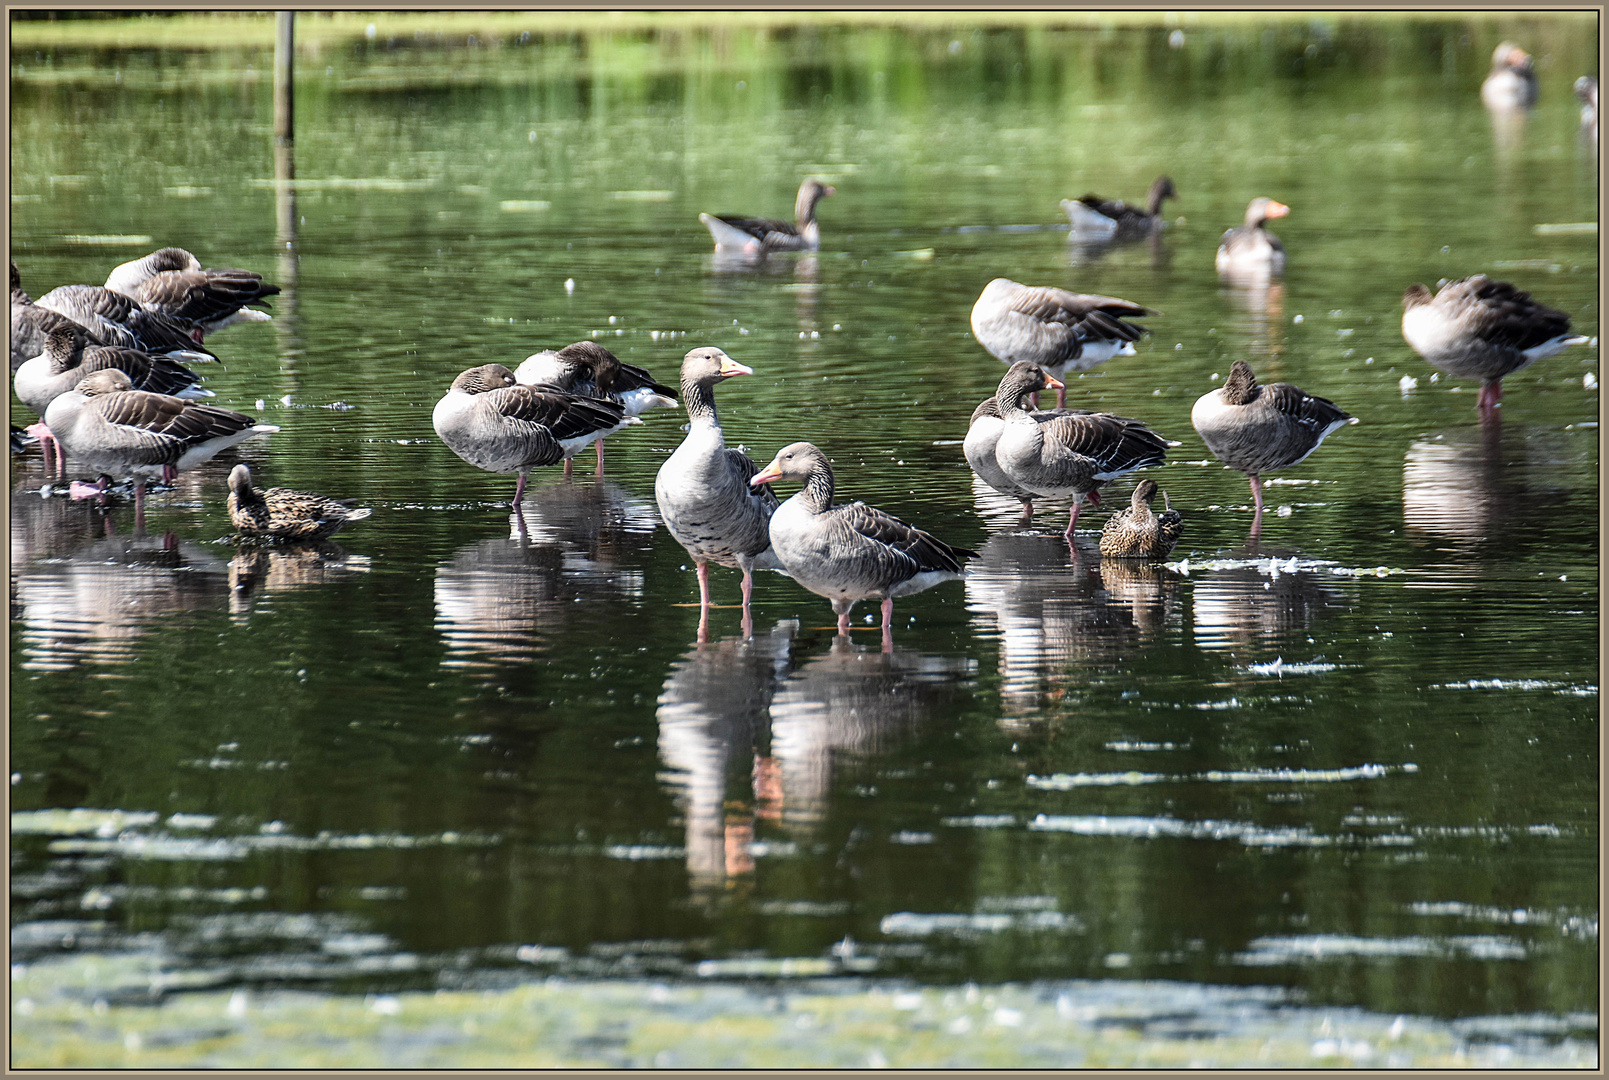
{"type": "Point", "coordinates": [1137, 533]}
{"type": "Point", "coordinates": [1511, 84]}
{"type": "Point", "coordinates": [1093, 216]}
{"type": "Point", "coordinates": [1071, 453]}
{"type": "Point", "coordinates": [1586, 91]}
{"type": "Point", "coordinates": [590, 370]}
{"type": "Point", "coordinates": [1258, 429]}
{"type": "Point", "coordinates": [703, 489]}
{"type": "Point", "coordinates": [32, 324]}
{"type": "Point", "coordinates": [1060, 331]}
{"type": "Point", "coordinates": [982, 439]}
{"type": "Point", "coordinates": [493, 422]}
{"type": "Point", "coordinates": [119, 431]}
{"type": "Point", "coordinates": [171, 281]}
{"type": "Point", "coordinates": [70, 353]}
{"type": "Point", "coordinates": [849, 551]}
{"type": "Point", "coordinates": [117, 320]}
{"type": "Point", "coordinates": [758, 236]}
{"type": "Point", "coordinates": [283, 514]}
{"type": "Point", "coordinates": [1251, 247]}
{"type": "Point", "coordinates": [1477, 328]}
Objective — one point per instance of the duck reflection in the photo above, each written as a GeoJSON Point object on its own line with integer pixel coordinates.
{"type": "Point", "coordinates": [1054, 611]}
{"type": "Point", "coordinates": [1456, 485]}
{"type": "Point", "coordinates": [82, 592]}
{"type": "Point", "coordinates": [714, 723]}
{"type": "Point", "coordinates": [1260, 606]}
{"type": "Point", "coordinates": [257, 570]}
{"type": "Point", "coordinates": [505, 599]}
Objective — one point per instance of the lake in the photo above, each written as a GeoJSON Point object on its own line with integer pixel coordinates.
{"type": "Point", "coordinates": [1352, 757]}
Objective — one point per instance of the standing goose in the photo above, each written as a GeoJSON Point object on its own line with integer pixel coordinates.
{"type": "Point", "coordinates": [1093, 216]}
{"type": "Point", "coordinates": [1257, 429]}
{"type": "Point", "coordinates": [493, 422]}
{"type": "Point", "coordinates": [590, 370]}
{"type": "Point", "coordinates": [1136, 532]}
{"type": "Point", "coordinates": [117, 320]}
{"type": "Point", "coordinates": [120, 431]}
{"type": "Point", "coordinates": [1477, 328]}
{"type": "Point", "coordinates": [1511, 84]}
{"type": "Point", "coordinates": [983, 439]}
{"type": "Point", "coordinates": [1070, 453]}
{"type": "Point", "coordinates": [283, 514]}
{"type": "Point", "coordinates": [703, 489]}
{"type": "Point", "coordinates": [1060, 331]}
{"type": "Point", "coordinates": [850, 551]}
{"type": "Point", "coordinates": [70, 353]}
{"type": "Point", "coordinates": [1250, 247]}
{"type": "Point", "coordinates": [758, 236]}
{"type": "Point", "coordinates": [170, 281]}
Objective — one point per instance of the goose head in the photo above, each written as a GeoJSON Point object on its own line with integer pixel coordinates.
{"type": "Point", "coordinates": [1241, 386]}
{"type": "Point", "coordinates": [1263, 208]}
{"type": "Point", "coordinates": [1416, 296]}
{"type": "Point", "coordinates": [797, 461]}
{"type": "Point", "coordinates": [708, 365]}
{"type": "Point", "coordinates": [1161, 188]}
{"type": "Point", "coordinates": [1023, 378]}
{"type": "Point", "coordinates": [105, 381]}
{"type": "Point", "coordinates": [1511, 57]}
{"type": "Point", "coordinates": [604, 365]}
{"type": "Point", "coordinates": [484, 379]}
{"type": "Point", "coordinates": [811, 192]}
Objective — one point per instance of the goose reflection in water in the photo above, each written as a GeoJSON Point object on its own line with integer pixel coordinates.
{"type": "Point", "coordinates": [714, 726]}
{"type": "Point", "coordinates": [500, 600]}
{"type": "Point", "coordinates": [81, 595]}
{"type": "Point", "coordinates": [1051, 613]}
{"type": "Point", "coordinates": [260, 569]}
{"type": "Point", "coordinates": [1458, 487]}
{"type": "Point", "coordinates": [1258, 607]}
{"type": "Point", "coordinates": [1262, 297]}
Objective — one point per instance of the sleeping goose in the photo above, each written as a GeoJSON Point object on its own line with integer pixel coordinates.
{"type": "Point", "coordinates": [1258, 429]}
{"type": "Point", "coordinates": [1250, 247]}
{"type": "Point", "coordinates": [119, 431]}
{"type": "Point", "coordinates": [757, 236]}
{"type": "Point", "coordinates": [1511, 84]}
{"type": "Point", "coordinates": [117, 320]}
{"type": "Point", "coordinates": [1477, 328]}
{"type": "Point", "coordinates": [171, 281]}
{"type": "Point", "coordinates": [1060, 331]}
{"type": "Point", "coordinates": [850, 551]}
{"type": "Point", "coordinates": [703, 488]}
{"type": "Point", "coordinates": [1093, 216]}
{"type": "Point", "coordinates": [493, 422]}
{"type": "Point", "coordinates": [1136, 532]}
{"type": "Point", "coordinates": [283, 514]}
{"type": "Point", "coordinates": [32, 324]}
{"type": "Point", "coordinates": [1069, 454]}
{"type": "Point", "coordinates": [590, 370]}
{"type": "Point", "coordinates": [70, 353]}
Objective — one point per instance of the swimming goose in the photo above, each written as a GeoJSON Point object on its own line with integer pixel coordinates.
{"type": "Point", "coordinates": [703, 488]}
{"type": "Point", "coordinates": [117, 320]}
{"type": "Point", "coordinates": [1511, 84]}
{"type": "Point", "coordinates": [757, 236]}
{"type": "Point", "coordinates": [120, 431]}
{"type": "Point", "coordinates": [1072, 453]}
{"type": "Point", "coordinates": [1093, 216]}
{"type": "Point", "coordinates": [850, 551]}
{"type": "Point", "coordinates": [170, 281]}
{"type": "Point", "coordinates": [1258, 429]}
{"type": "Point", "coordinates": [69, 354]}
{"type": "Point", "coordinates": [283, 514]}
{"type": "Point", "coordinates": [1136, 532]}
{"type": "Point", "coordinates": [1250, 246]}
{"type": "Point", "coordinates": [493, 422]}
{"type": "Point", "coordinates": [590, 370]}
{"type": "Point", "coordinates": [1060, 331]}
{"type": "Point", "coordinates": [1477, 328]}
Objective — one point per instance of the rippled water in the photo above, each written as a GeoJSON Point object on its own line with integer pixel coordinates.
{"type": "Point", "coordinates": [1354, 755]}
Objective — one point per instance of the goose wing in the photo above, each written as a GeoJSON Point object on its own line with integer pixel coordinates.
{"type": "Point", "coordinates": [1116, 443]}
{"type": "Point", "coordinates": [1092, 316]}
{"type": "Point", "coordinates": [926, 551]}
{"type": "Point", "coordinates": [157, 374]}
{"type": "Point", "coordinates": [1504, 315]}
{"type": "Point", "coordinates": [744, 468]}
{"type": "Point", "coordinates": [768, 231]}
{"type": "Point", "coordinates": [1314, 413]}
{"type": "Point", "coordinates": [564, 416]}
{"type": "Point", "coordinates": [203, 295]}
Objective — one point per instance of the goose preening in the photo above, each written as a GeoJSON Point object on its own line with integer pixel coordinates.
{"type": "Point", "coordinates": [488, 418]}
{"type": "Point", "coordinates": [590, 370]}
{"type": "Point", "coordinates": [703, 489]}
{"type": "Point", "coordinates": [70, 353]}
{"type": "Point", "coordinates": [116, 320]}
{"type": "Point", "coordinates": [1511, 84]}
{"type": "Point", "coordinates": [171, 282]}
{"type": "Point", "coordinates": [1138, 533]}
{"type": "Point", "coordinates": [1477, 328]}
{"type": "Point", "coordinates": [119, 431]}
{"type": "Point", "coordinates": [31, 324]}
{"type": "Point", "coordinates": [850, 551]}
{"type": "Point", "coordinates": [1071, 453]}
{"type": "Point", "coordinates": [1249, 247]}
{"type": "Point", "coordinates": [1258, 429]}
{"type": "Point", "coordinates": [758, 236]}
{"type": "Point", "coordinates": [1093, 217]}
{"type": "Point", "coordinates": [283, 514]}
{"type": "Point", "coordinates": [1060, 331]}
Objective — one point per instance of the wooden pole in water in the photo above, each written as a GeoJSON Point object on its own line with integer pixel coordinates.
{"type": "Point", "coordinates": [284, 70]}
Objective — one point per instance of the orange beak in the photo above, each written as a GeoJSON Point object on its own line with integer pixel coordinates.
{"type": "Point", "coordinates": [1053, 383]}
{"type": "Point", "coordinates": [730, 367]}
{"type": "Point", "coordinates": [765, 476]}
{"type": "Point", "coordinates": [1277, 209]}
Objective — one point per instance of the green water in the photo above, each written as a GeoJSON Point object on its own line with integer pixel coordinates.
{"type": "Point", "coordinates": [1355, 759]}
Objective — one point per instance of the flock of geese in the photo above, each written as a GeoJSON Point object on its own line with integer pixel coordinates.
{"type": "Point", "coordinates": [105, 369]}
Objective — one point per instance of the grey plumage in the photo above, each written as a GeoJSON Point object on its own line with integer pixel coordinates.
{"type": "Point", "coordinates": [1250, 246]}
{"type": "Point", "coordinates": [69, 354]}
{"type": "Point", "coordinates": [172, 282]}
{"type": "Point", "coordinates": [757, 236]}
{"type": "Point", "coordinates": [117, 320]}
